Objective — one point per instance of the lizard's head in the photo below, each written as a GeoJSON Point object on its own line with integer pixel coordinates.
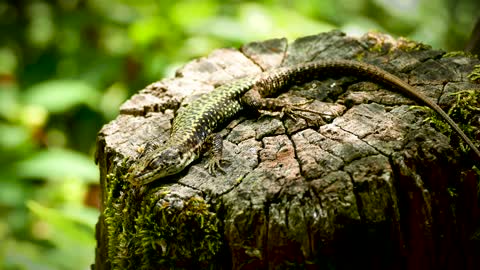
{"type": "Point", "coordinates": [159, 163]}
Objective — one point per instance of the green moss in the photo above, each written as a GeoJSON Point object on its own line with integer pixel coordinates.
{"type": "Point", "coordinates": [151, 228]}
{"type": "Point", "coordinates": [378, 47]}
{"type": "Point", "coordinates": [463, 111]}
{"type": "Point", "coordinates": [360, 56]}
{"type": "Point", "coordinates": [435, 120]}
{"type": "Point", "coordinates": [459, 54]}
{"type": "Point", "coordinates": [475, 74]}
{"type": "Point", "coordinates": [385, 42]}
{"type": "Point", "coordinates": [408, 45]}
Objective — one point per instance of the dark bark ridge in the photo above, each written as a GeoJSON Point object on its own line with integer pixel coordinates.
{"type": "Point", "coordinates": [373, 186]}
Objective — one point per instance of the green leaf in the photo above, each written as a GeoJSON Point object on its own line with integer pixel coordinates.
{"type": "Point", "coordinates": [66, 229]}
{"type": "Point", "coordinates": [58, 96]}
{"type": "Point", "coordinates": [297, 24]}
{"type": "Point", "coordinates": [190, 13]}
{"type": "Point", "coordinates": [9, 105]}
{"type": "Point", "coordinates": [22, 255]}
{"type": "Point", "coordinates": [12, 193]}
{"type": "Point", "coordinates": [58, 164]}
{"type": "Point", "coordinates": [83, 215]}
{"type": "Point", "coordinates": [8, 59]}
{"type": "Point", "coordinates": [147, 30]}
{"type": "Point", "coordinates": [13, 136]}
{"type": "Point", "coordinates": [73, 238]}
{"type": "Point", "coordinates": [221, 27]}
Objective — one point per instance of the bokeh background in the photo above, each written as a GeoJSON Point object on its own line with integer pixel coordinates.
{"type": "Point", "coordinates": [67, 65]}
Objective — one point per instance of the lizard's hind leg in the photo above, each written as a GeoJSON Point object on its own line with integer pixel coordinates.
{"type": "Point", "coordinates": [253, 99]}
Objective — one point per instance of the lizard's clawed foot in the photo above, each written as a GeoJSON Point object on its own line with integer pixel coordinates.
{"type": "Point", "coordinates": [215, 164]}
{"type": "Point", "coordinates": [292, 111]}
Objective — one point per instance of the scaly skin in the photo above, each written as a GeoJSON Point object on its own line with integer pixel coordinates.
{"type": "Point", "coordinates": [195, 123]}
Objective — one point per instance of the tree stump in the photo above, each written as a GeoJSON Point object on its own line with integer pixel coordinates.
{"type": "Point", "coordinates": [374, 186]}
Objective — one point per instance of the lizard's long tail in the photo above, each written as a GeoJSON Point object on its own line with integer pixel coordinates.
{"type": "Point", "coordinates": [315, 69]}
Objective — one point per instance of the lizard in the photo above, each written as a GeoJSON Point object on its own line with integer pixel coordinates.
{"type": "Point", "coordinates": [194, 125]}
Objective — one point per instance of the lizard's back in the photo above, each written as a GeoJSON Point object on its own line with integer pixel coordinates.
{"type": "Point", "coordinates": [201, 117]}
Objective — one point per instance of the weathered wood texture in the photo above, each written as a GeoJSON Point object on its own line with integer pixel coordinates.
{"type": "Point", "coordinates": [375, 187]}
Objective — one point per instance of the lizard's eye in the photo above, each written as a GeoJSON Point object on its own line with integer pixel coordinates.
{"type": "Point", "coordinates": [164, 160]}
{"type": "Point", "coordinates": [154, 163]}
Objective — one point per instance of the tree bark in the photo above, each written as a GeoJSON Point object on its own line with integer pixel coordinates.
{"type": "Point", "coordinates": [374, 186]}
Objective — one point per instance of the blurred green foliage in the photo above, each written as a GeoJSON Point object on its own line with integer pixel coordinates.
{"type": "Point", "coordinates": [67, 65]}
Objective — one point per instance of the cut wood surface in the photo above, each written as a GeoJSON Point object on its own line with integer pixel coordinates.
{"type": "Point", "coordinates": [370, 184]}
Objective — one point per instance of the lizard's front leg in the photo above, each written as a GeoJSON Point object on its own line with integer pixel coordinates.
{"type": "Point", "coordinates": [215, 143]}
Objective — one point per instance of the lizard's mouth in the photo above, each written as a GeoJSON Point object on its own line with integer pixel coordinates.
{"type": "Point", "coordinates": [141, 178]}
